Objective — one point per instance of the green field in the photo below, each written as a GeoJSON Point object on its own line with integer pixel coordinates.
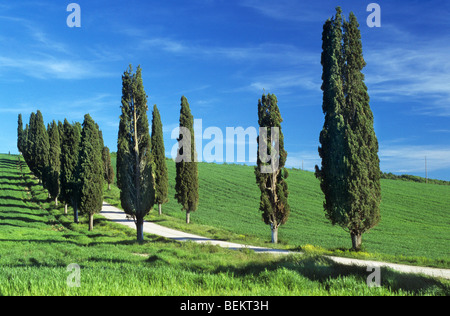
{"type": "Point", "coordinates": [37, 243]}
{"type": "Point", "coordinates": [415, 225]}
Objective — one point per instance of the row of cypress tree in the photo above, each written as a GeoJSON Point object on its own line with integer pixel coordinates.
{"type": "Point", "coordinates": [70, 160]}
{"type": "Point", "coordinates": [349, 174]}
{"type": "Point", "coordinates": [350, 171]}
{"type": "Point", "coordinates": [142, 175]}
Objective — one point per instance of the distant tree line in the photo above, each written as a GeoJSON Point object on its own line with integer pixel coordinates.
{"type": "Point", "coordinates": [411, 178]}
{"type": "Point", "coordinates": [69, 160]}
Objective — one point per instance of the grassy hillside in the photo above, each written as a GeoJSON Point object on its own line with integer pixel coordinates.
{"type": "Point", "coordinates": [37, 243]}
{"type": "Point", "coordinates": [414, 227]}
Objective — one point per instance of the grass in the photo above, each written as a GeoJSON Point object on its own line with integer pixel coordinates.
{"type": "Point", "coordinates": [414, 228]}
{"type": "Point", "coordinates": [38, 242]}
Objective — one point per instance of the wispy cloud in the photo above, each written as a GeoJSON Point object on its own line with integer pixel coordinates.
{"type": "Point", "coordinates": [51, 67]}
{"type": "Point", "coordinates": [286, 10]}
{"type": "Point", "coordinates": [411, 159]}
{"type": "Point", "coordinates": [275, 52]}
{"type": "Point", "coordinates": [39, 56]}
{"type": "Point", "coordinates": [285, 83]}
{"type": "Point", "coordinates": [304, 159]}
{"type": "Point", "coordinates": [402, 68]}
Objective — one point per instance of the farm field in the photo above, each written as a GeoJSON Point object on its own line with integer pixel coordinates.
{"type": "Point", "coordinates": [38, 242]}
{"type": "Point", "coordinates": [415, 225]}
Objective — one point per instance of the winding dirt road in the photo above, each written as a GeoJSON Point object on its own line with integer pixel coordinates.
{"type": "Point", "coordinates": [118, 216]}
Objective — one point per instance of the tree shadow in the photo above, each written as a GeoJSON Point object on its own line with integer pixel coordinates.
{"type": "Point", "coordinates": [322, 270]}
{"type": "Point", "coordinates": [10, 206]}
{"type": "Point", "coordinates": [11, 198]}
{"type": "Point", "coordinates": [21, 219]}
{"type": "Point", "coordinates": [21, 212]}
{"type": "Point", "coordinates": [13, 186]}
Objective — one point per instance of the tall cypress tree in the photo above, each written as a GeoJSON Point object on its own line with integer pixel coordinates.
{"type": "Point", "coordinates": [272, 182]}
{"type": "Point", "coordinates": [31, 140]}
{"type": "Point", "coordinates": [349, 149]}
{"type": "Point", "coordinates": [363, 177]}
{"type": "Point", "coordinates": [61, 132]}
{"type": "Point", "coordinates": [54, 169]}
{"type": "Point", "coordinates": [91, 171]}
{"type": "Point", "coordinates": [159, 158]}
{"type": "Point", "coordinates": [186, 181]}
{"type": "Point", "coordinates": [25, 142]}
{"type": "Point", "coordinates": [41, 149]}
{"type": "Point", "coordinates": [69, 162]}
{"type": "Point", "coordinates": [332, 138]}
{"type": "Point", "coordinates": [134, 161]}
{"type": "Point", "coordinates": [20, 134]}
{"type": "Point", "coordinates": [108, 171]}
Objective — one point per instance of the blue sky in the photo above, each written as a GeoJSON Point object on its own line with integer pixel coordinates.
{"type": "Point", "coordinates": [222, 55]}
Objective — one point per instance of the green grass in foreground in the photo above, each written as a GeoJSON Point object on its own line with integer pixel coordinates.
{"type": "Point", "coordinates": [414, 228]}
{"type": "Point", "coordinates": [37, 243]}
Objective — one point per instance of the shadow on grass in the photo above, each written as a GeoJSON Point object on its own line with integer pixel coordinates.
{"type": "Point", "coordinates": [11, 198]}
{"type": "Point", "coordinates": [21, 219]}
{"type": "Point", "coordinates": [324, 270]}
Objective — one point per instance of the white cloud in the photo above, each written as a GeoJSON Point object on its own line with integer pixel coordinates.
{"type": "Point", "coordinates": [275, 52]}
{"type": "Point", "coordinates": [394, 157]}
{"type": "Point", "coordinates": [52, 67]}
{"type": "Point", "coordinates": [304, 159]}
{"type": "Point", "coordinates": [402, 68]}
{"type": "Point", "coordinates": [411, 159]}
{"type": "Point", "coordinates": [281, 82]}
{"type": "Point", "coordinates": [37, 55]}
{"type": "Point", "coordinates": [286, 10]}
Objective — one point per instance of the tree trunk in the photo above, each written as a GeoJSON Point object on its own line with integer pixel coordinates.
{"type": "Point", "coordinates": [65, 209]}
{"type": "Point", "coordinates": [188, 217]}
{"type": "Point", "coordinates": [137, 171]}
{"type": "Point", "coordinates": [356, 241]}
{"type": "Point", "coordinates": [274, 234]}
{"type": "Point", "coordinates": [140, 229]}
{"type": "Point", "coordinates": [56, 201]}
{"type": "Point", "coordinates": [91, 222]}
{"type": "Point", "coordinates": [109, 186]}
{"type": "Point", "coordinates": [159, 209]}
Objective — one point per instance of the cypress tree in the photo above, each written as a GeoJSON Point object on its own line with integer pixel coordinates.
{"type": "Point", "coordinates": [54, 185]}
{"type": "Point", "coordinates": [61, 132]}
{"type": "Point", "coordinates": [272, 182]}
{"type": "Point", "coordinates": [108, 170]}
{"type": "Point", "coordinates": [90, 171]}
{"type": "Point", "coordinates": [41, 149]}
{"type": "Point", "coordinates": [363, 177]}
{"type": "Point", "coordinates": [186, 180]}
{"type": "Point", "coordinates": [349, 175]}
{"type": "Point", "coordinates": [159, 158]}
{"type": "Point", "coordinates": [332, 174]}
{"type": "Point", "coordinates": [134, 161]}
{"type": "Point", "coordinates": [25, 142]}
{"type": "Point", "coordinates": [20, 134]}
{"type": "Point", "coordinates": [69, 162]}
{"type": "Point", "coordinates": [31, 140]}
